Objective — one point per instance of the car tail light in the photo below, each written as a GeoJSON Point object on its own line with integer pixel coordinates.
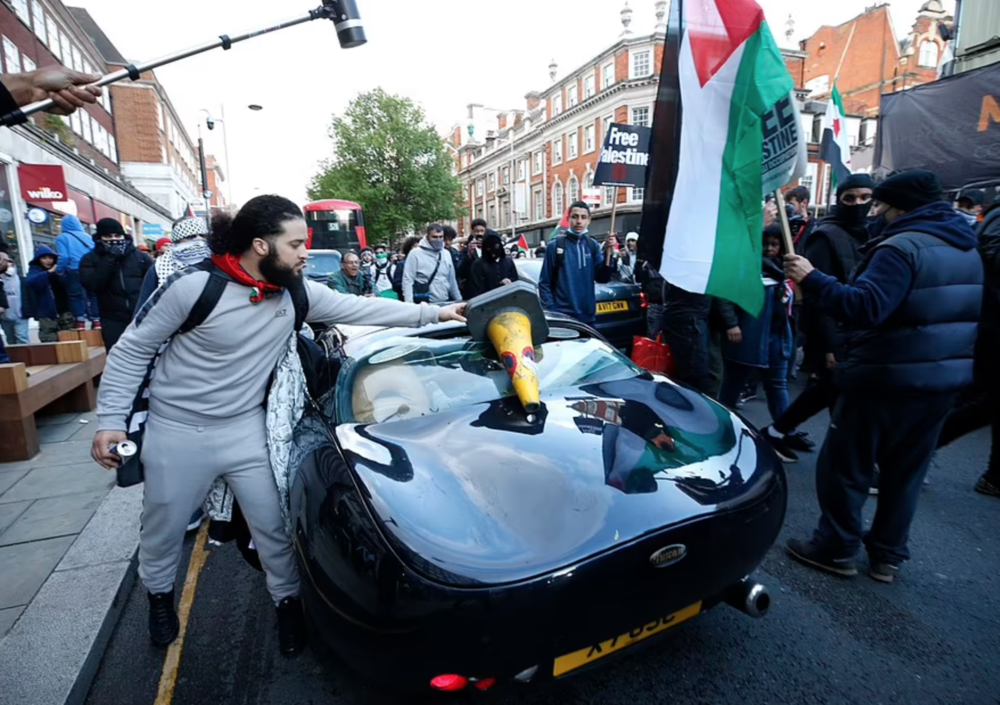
{"type": "Point", "coordinates": [643, 300]}
{"type": "Point", "coordinates": [449, 682]}
{"type": "Point", "coordinates": [485, 683]}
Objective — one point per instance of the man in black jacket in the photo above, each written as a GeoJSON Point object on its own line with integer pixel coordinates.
{"type": "Point", "coordinates": [833, 248]}
{"type": "Point", "coordinates": [493, 269]}
{"type": "Point", "coordinates": [114, 270]}
{"type": "Point", "coordinates": [910, 315]}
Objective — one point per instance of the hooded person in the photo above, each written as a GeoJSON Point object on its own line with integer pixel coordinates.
{"type": "Point", "coordinates": [429, 272]}
{"type": "Point", "coordinates": [910, 313]}
{"type": "Point", "coordinates": [72, 246]}
{"type": "Point", "coordinates": [114, 271]}
{"type": "Point", "coordinates": [494, 269]}
{"type": "Point", "coordinates": [188, 246]}
{"type": "Point", "coordinates": [45, 296]}
{"type": "Point", "coordinates": [834, 248]}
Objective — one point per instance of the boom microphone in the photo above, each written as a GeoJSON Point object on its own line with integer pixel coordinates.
{"type": "Point", "coordinates": [343, 14]}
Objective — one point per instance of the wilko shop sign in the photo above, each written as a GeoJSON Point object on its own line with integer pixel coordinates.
{"type": "Point", "coordinates": [42, 182]}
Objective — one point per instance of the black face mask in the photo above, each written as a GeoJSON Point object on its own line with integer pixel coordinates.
{"type": "Point", "coordinates": [275, 274]}
{"type": "Point", "coordinates": [876, 225]}
{"type": "Point", "coordinates": [853, 216]}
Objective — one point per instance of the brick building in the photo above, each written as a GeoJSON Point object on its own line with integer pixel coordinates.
{"type": "Point", "coordinates": [216, 179]}
{"type": "Point", "coordinates": [156, 153]}
{"type": "Point", "coordinates": [76, 158]}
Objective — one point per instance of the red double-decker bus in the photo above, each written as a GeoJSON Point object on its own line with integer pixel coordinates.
{"type": "Point", "coordinates": [335, 225]}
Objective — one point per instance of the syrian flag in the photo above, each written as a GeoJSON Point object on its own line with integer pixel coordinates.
{"type": "Point", "coordinates": [739, 135]}
{"type": "Point", "coordinates": [835, 149]}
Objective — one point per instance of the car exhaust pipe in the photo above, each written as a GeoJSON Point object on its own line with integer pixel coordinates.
{"type": "Point", "coordinates": [749, 597]}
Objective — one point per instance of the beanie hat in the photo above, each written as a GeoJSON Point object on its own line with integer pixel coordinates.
{"type": "Point", "coordinates": [855, 181]}
{"type": "Point", "coordinates": [189, 227]}
{"type": "Point", "coordinates": [162, 242]}
{"type": "Point", "coordinates": [108, 226]}
{"type": "Point", "coordinates": [910, 190]}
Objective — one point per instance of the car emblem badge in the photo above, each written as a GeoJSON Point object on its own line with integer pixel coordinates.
{"type": "Point", "coordinates": [668, 555]}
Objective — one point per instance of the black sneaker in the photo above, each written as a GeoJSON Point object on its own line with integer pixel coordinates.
{"type": "Point", "coordinates": [163, 623]}
{"type": "Point", "coordinates": [873, 490]}
{"type": "Point", "coordinates": [984, 486]}
{"type": "Point", "coordinates": [807, 552]}
{"type": "Point", "coordinates": [291, 626]}
{"type": "Point", "coordinates": [780, 446]}
{"type": "Point", "coordinates": [882, 571]}
{"type": "Point", "coordinates": [799, 441]}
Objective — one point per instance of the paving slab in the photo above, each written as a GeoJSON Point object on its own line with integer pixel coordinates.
{"type": "Point", "coordinates": [52, 517]}
{"type": "Point", "coordinates": [8, 478]}
{"type": "Point", "coordinates": [55, 420]}
{"type": "Point", "coordinates": [7, 619]}
{"type": "Point", "coordinates": [26, 566]}
{"type": "Point", "coordinates": [57, 481]}
{"type": "Point", "coordinates": [47, 659]}
{"type": "Point", "coordinates": [112, 535]}
{"type": "Point", "coordinates": [58, 432]}
{"type": "Point", "coordinates": [10, 512]}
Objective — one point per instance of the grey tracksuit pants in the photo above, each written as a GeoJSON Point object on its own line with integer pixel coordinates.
{"type": "Point", "coordinates": [181, 461]}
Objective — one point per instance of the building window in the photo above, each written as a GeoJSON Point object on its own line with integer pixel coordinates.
{"type": "Point", "coordinates": [557, 104]}
{"type": "Point", "coordinates": [113, 148]}
{"type": "Point", "coordinates": [480, 187]}
{"type": "Point", "coordinates": [21, 8]}
{"type": "Point", "coordinates": [610, 193]}
{"type": "Point", "coordinates": [640, 117]}
{"type": "Point", "coordinates": [493, 213]}
{"type": "Point", "coordinates": [929, 54]}
{"type": "Point", "coordinates": [589, 143]}
{"type": "Point", "coordinates": [642, 64]}
{"type": "Point", "coordinates": [573, 140]}
{"type": "Point", "coordinates": [521, 170]}
{"type": "Point", "coordinates": [557, 151]}
{"type": "Point", "coordinates": [29, 65]}
{"type": "Point", "coordinates": [537, 161]}
{"type": "Point", "coordinates": [38, 16]}
{"type": "Point", "coordinates": [588, 86]}
{"type": "Point", "coordinates": [558, 206]}
{"type": "Point", "coordinates": [607, 76]}
{"type": "Point", "coordinates": [77, 59]}
{"type": "Point", "coordinates": [88, 128]}
{"type": "Point", "coordinates": [505, 175]}
{"type": "Point", "coordinates": [574, 189]}
{"type": "Point", "coordinates": [606, 125]}
{"type": "Point", "coordinates": [87, 68]}
{"type": "Point", "coordinates": [572, 95]}
{"type": "Point", "coordinates": [491, 182]}
{"type": "Point", "coordinates": [159, 114]}
{"type": "Point", "coordinates": [53, 42]}
{"type": "Point", "coordinates": [536, 197]}
{"type": "Point", "coordinates": [12, 57]}
{"type": "Point", "coordinates": [635, 195]}
{"type": "Point", "coordinates": [809, 180]}
{"type": "Point", "coordinates": [66, 48]}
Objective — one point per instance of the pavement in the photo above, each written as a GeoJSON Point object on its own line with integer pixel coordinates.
{"type": "Point", "coordinates": [931, 637]}
{"type": "Point", "coordinates": [67, 542]}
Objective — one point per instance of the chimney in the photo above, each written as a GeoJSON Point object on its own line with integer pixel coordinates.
{"type": "Point", "coordinates": [534, 100]}
{"type": "Point", "coordinates": [502, 121]}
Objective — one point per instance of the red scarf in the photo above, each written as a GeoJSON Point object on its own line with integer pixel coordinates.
{"type": "Point", "coordinates": [230, 264]}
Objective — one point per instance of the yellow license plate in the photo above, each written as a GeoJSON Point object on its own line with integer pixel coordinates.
{"type": "Point", "coordinates": [583, 657]}
{"type": "Point", "coordinates": [612, 306]}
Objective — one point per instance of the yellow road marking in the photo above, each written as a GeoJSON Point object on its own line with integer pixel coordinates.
{"type": "Point", "coordinates": [172, 663]}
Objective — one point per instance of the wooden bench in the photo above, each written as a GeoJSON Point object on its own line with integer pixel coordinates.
{"type": "Point", "coordinates": [44, 379]}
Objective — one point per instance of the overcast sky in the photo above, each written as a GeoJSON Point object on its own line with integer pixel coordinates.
{"type": "Point", "coordinates": [444, 54]}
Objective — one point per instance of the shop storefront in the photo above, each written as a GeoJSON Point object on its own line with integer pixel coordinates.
{"type": "Point", "coordinates": [8, 225]}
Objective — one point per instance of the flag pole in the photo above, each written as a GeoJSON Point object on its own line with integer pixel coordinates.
{"type": "Point", "coordinates": [786, 229]}
{"type": "Point", "coordinates": [611, 230]}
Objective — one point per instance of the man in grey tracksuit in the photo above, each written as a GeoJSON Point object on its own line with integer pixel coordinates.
{"type": "Point", "coordinates": [420, 268]}
{"type": "Point", "coordinates": [206, 417]}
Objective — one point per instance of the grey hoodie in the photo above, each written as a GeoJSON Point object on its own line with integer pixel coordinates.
{"type": "Point", "coordinates": [420, 264]}
{"type": "Point", "coordinates": [11, 284]}
{"type": "Point", "coordinates": [220, 369]}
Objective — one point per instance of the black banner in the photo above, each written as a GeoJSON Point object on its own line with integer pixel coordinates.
{"type": "Point", "coordinates": [951, 127]}
{"type": "Point", "coordinates": [624, 157]}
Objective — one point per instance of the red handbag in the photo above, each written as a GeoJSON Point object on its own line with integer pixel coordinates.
{"type": "Point", "coordinates": [653, 355]}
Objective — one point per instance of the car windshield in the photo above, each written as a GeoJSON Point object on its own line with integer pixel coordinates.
{"type": "Point", "coordinates": [322, 264]}
{"type": "Point", "coordinates": [413, 377]}
{"type": "Point", "coordinates": [530, 270]}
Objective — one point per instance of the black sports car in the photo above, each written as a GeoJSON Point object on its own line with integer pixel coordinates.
{"type": "Point", "coordinates": [448, 540]}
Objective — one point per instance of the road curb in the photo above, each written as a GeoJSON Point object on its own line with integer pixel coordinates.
{"type": "Point", "coordinates": [53, 652]}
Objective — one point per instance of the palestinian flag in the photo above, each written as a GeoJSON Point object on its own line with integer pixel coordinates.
{"type": "Point", "coordinates": [731, 74]}
{"type": "Point", "coordinates": [835, 149]}
{"type": "Point", "coordinates": [563, 225]}
{"type": "Point", "coordinates": [522, 244]}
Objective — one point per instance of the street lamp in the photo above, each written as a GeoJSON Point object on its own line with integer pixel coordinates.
{"type": "Point", "coordinates": [210, 123]}
{"type": "Point", "coordinates": [513, 157]}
